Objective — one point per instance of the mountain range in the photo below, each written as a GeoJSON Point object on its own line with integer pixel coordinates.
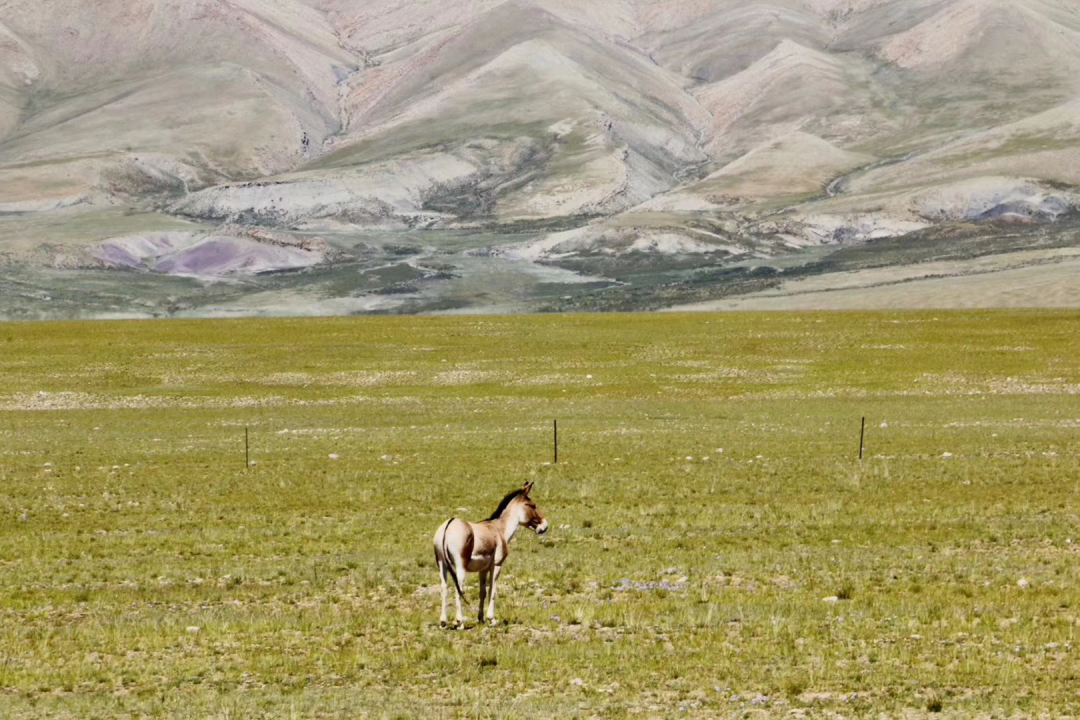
{"type": "Point", "coordinates": [238, 157]}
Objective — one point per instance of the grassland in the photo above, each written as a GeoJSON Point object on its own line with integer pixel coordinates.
{"type": "Point", "coordinates": [145, 571]}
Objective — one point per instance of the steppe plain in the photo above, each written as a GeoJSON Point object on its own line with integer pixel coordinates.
{"type": "Point", "coordinates": [717, 548]}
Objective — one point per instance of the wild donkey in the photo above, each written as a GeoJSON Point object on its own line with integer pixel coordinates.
{"type": "Point", "coordinates": [462, 547]}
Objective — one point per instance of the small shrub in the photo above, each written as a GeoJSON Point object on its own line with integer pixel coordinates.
{"type": "Point", "coordinates": [795, 687]}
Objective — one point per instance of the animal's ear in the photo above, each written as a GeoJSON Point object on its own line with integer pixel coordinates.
{"type": "Point", "coordinates": [527, 489]}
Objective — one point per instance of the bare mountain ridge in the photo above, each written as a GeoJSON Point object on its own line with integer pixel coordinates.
{"type": "Point", "coordinates": [709, 128]}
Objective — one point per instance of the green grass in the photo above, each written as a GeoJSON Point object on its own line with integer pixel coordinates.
{"type": "Point", "coordinates": [676, 579]}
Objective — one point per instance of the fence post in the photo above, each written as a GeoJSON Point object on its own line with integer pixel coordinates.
{"type": "Point", "coordinates": [247, 451]}
{"type": "Point", "coordinates": [862, 436]}
{"type": "Point", "coordinates": [555, 439]}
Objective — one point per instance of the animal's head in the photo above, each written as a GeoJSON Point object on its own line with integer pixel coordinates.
{"type": "Point", "coordinates": [528, 515]}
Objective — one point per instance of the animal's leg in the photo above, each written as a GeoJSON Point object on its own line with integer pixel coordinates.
{"type": "Point", "coordinates": [494, 580]}
{"type": "Point", "coordinates": [459, 569]}
{"type": "Point", "coordinates": [483, 583]}
{"type": "Point", "coordinates": [443, 571]}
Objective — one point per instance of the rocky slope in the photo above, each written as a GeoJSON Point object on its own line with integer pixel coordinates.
{"type": "Point", "coordinates": [562, 148]}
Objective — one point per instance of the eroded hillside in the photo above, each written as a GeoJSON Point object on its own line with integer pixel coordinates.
{"type": "Point", "coordinates": [323, 156]}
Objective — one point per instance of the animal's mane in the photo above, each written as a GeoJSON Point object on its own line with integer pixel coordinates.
{"type": "Point", "coordinates": [504, 503]}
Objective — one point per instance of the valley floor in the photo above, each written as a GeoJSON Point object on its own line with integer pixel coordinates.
{"type": "Point", "coordinates": [1021, 280]}
{"type": "Point", "coordinates": [717, 548]}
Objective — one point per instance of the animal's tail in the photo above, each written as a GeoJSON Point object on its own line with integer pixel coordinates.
{"type": "Point", "coordinates": [446, 559]}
